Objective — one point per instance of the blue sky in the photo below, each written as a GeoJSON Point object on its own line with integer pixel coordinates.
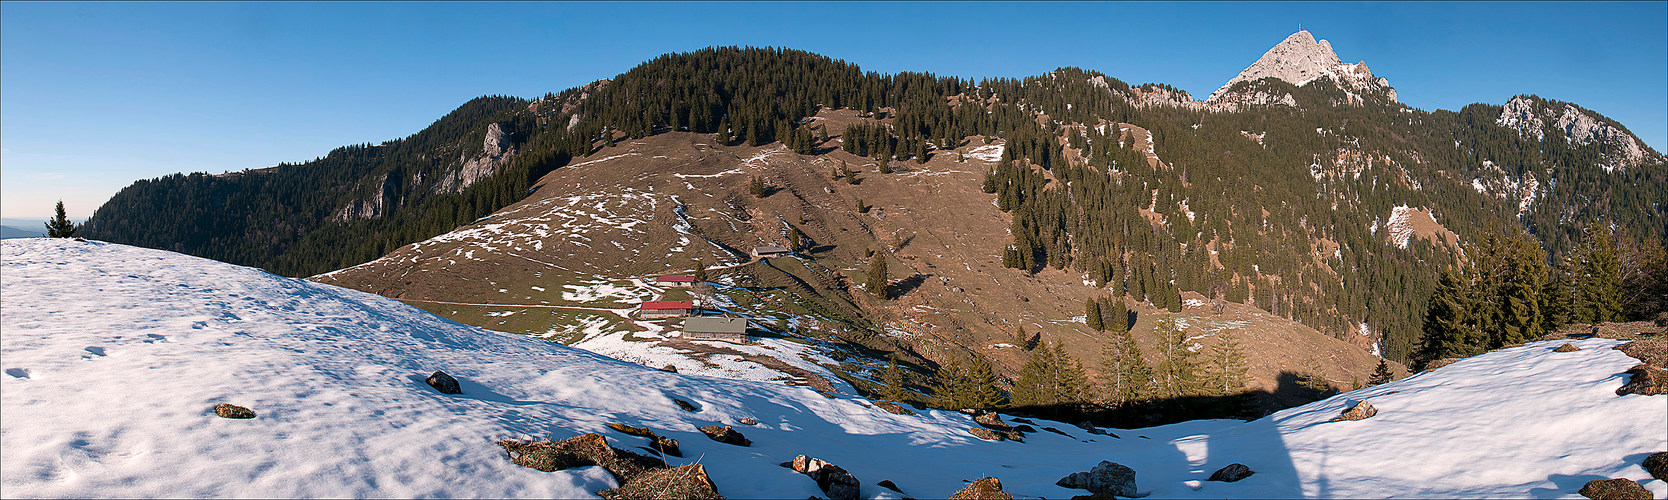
{"type": "Point", "coordinates": [96, 95]}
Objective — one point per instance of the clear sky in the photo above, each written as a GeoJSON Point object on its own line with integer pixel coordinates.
{"type": "Point", "coordinates": [94, 96]}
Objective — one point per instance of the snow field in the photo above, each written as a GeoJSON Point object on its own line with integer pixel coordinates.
{"type": "Point", "coordinates": [146, 342]}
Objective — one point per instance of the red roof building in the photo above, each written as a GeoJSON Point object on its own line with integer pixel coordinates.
{"type": "Point", "coordinates": [665, 308]}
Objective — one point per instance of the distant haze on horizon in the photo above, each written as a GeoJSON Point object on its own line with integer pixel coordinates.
{"type": "Point", "coordinates": [98, 95]}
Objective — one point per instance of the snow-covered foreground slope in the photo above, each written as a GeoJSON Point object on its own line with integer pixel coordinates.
{"type": "Point", "coordinates": [114, 356]}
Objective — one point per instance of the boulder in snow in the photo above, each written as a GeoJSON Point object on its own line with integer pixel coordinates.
{"type": "Point", "coordinates": [687, 406]}
{"type": "Point", "coordinates": [1567, 347]}
{"type": "Point", "coordinates": [990, 420]}
{"type": "Point", "coordinates": [635, 431]}
{"type": "Point", "coordinates": [687, 482]}
{"type": "Point", "coordinates": [667, 445]}
{"type": "Point", "coordinates": [669, 368]}
{"type": "Point", "coordinates": [444, 383]}
{"type": "Point", "coordinates": [725, 434]}
{"type": "Point", "coordinates": [834, 481]}
{"type": "Point", "coordinates": [1645, 380]}
{"type": "Point", "coordinates": [580, 451]}
{"type": "Point", "coordinates": [985, 488]}
{"type": "Point", "coordinates": [1615, 489]}
{"type": "Point", "coordinates": [1233, 472]}
{"type": "Point", "coordinates": [1360, 410]}
{"type": "Point", "coordinates": [985, 434]}
{"type": "Point", "coordinates": [233, 411]}
{"type": "Point", "coordinates": [1106, 478]}
{"type": "Point", "coordinates": [749, 421]}
{"type": "Point", "coordinates": [893, 407]}
{"type": "Point", "coordinates": [1657, 465]}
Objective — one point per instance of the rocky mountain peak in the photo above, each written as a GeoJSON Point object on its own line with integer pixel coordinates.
{"type": "Point", "coordinates": [1300, 59]}
{"type": "Point", "coordinates": [1530, 115]}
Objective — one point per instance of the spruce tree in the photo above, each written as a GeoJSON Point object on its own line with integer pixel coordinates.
{"type": "Point", "coordinates": [1178, 367]}
{"type": "Point", "coordinates": [1126, 378]}
{"type": "Point", "coordinates": [893, 381]}
{"type": "Point", "coordinates": [1382, 374]}
{"type": "Point", "coordinates": [1091, 314]}
{"type": "Point", "coordinates": [885, 165]}
{"type": "Point", "coordinates": [878, 280]}
{"type": "Point", "coordinates": [700, 273]}
{"type": "Point", "coordinates": [1598, 283]}
{"type": "Point", "coordinates": [1228, 370]}
{"type": "Point", "coordinates": [60, 226]}
{"type": "Point", "coordinates": [982, 384]}
{"type": "Point", "coordinates": [756, 186]}
{"type": "Point", "coordinates": [1050, 377]}
{"type": "Point", "coordinates": [1117, 315]}
{"type": "Point", "coordinates": [949, 385]}
{"type": "Point", "coordinates": [1448, 327]}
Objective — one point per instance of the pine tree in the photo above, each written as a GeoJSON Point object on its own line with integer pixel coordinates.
{"type": "Point", "coordinates": [967, 384]}
{"type": "Point", "coordinates": [700, 271]}
{"type": "Point", "coordinates": [723, 136]}
{"type": "Point", "coordinates": [796, 239]}
{"type": "Point", "coordinates": [1117, 315]}
{"type": "Point", "coordinates": [756, 186]}
{"type": "Point", "coordinates": [885, 165]}
{"type": "Point", "coordinates": [878, 281]}
{"type": "Point", "coordinates": [60, 226]}
{"type": "Point", "coordinates": [1091, 314]}
{"type": "Point", "coordinates": [1228, 370]}
{"type": "Point", "coordinates": [1449, 332]}
{"type": "Point", "coordinates": [893, 381]}
{"type": "Point", "coordinates": [1050, 377]}
{"type": "Point", "coordinates": [1382, 374]}
{"type": "Point", "coordinates": [949, 389]}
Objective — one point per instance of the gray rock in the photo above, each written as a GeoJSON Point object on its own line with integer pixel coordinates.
{"type": "Point", "coordinates": [1106, 478]}
{"type": "Point", "coordinates": [444, 383]}
{"type": "Point", "coordinates": [1233, 472]}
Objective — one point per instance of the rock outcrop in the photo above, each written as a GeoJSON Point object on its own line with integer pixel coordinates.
{"type": "Point", "coordinates": [1530, 116]}
{"type": "Point", "coordinates": [1299, 60]}
{"type": "Point", "coordinates": [1614, 489]}
{"type": "Point", "coordinates": [984, 488]}
{"type": "Point", "coordinates": [1359, 411]}
{"type": "Point", "coordinates": [833, 480]}
{"type": "Point", "coordinates": [1233, 472]}
{"type": "Point", "coordinates": [444, 383]}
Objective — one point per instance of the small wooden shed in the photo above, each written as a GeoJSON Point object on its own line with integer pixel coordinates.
{"type": "Point", "coordinates": [715, 328]}
{"type": "Point", "coordinates": [655, 309]}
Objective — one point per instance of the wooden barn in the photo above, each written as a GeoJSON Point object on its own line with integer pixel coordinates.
{"type": "Point", "coordinates": [715, 328]}
{"type": "Point", "coordinates": [770, 251]}
{"type": "Point", "coordinates": [656, 309]}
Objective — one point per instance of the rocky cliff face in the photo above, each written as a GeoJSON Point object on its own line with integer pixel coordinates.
{"type": "Point", "coordinates": [496, 152]}
{"type": "Point", "coordinates": [1531, 115]}
{"type": "Point", "coordinates": [1300, 59]}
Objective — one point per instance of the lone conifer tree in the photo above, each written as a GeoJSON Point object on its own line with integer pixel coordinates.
{"type": "Point", "coordinates": [1126, 378]}
{"type": "Point", "coordinates": [1177, 371]}
{"type": "Point", "coordinates": [1091, 314]}
{"type": "Point", "coordinates": [756, 186]}
{"type": "Point", "coordinates": [60, 225]}
{"type": "Point", "coordinates": [893, 380]}
{"type": "Point", "coordinates": [1382, 374]}
{"type": "Point", "coordinates": [700, 271]}
{"type": "Point", "coordinates": [877, 276]}
{"type": "Point", "coordinates": [1228, 371]}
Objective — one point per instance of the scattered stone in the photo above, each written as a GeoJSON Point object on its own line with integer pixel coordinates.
{"type": "Point", "coordinates": [444, 383]}
{"type": "Point", "coordinates": [580, 451]}
{"type": "Point", "coordinates": [1657, 465]}
{"type": "Point", "coordinates": [1567, 347]}
{"type": "Point", "coordinates": [990, 420]}
{"type": "Point", "coordinates": [749, 421]}
{"type": "Point", "coordinates": [1106, 478]}
{"type": "Point", "coordinates": [1090, 428]}
{"type": "Point", "coordinates": [1646, 380]}
{"type": "Point", "coordinates": [1233, 472]}
{"type": "Point", "coordinates": [888, 484]}
{"type": "Point", "coordinates": [985, 488]}
{"type": "Point", "coordinates": [834, 481]}
{"type": "Point", "coordinates": [986, 434]}
{"type": "Point", "coordinates": [687, 406]}
{"type": "Point", "coordinates": [233, 411]}
{"type": "Point", "coordinates": [687, 482]}
{"type": "Point", "coordinates": [725, 434]}
{"type": "Point", "coordinates": [635, 431]}
{"type": "Point", "coordinates": [1360, 410]}
{"type": "Point", "coordinates": [670, 368]}
{"type": "Point", "coordinates": [893, 407]}
{"type": "Point", "coordinates": [667, 445]}
{"type": "Point", "coordinates": [1615, 489]}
